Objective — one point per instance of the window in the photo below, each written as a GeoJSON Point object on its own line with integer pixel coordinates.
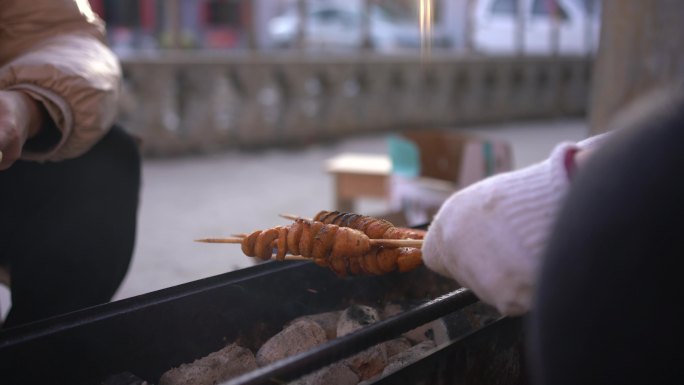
{"type": "Point", "coordinates": [332, 16]}
{"type": "Point", "coordinates": [546, 8]}
{"type": "Point", "coordinates": [223, 13]}
{"type": "Point", "coordinates": [504, 7]}
{"type": "Point", "coordinates": [122, 13]}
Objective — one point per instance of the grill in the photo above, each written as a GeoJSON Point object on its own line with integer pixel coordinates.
{"type": "Point", "coordinates": [139, 338]}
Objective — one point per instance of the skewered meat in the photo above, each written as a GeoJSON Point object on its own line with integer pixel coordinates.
{"type": "Point", "coordinates": [373, 227]}
{"type": "Point", "coordinates": [379, 260]}
{"type": "Point", "coordinates": [313, 240]}
{"type": "Point", "coordinates": [382, 260]}
{"type": "Point", "coordinates": [344, 250]}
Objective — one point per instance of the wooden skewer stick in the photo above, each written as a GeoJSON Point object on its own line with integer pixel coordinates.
{"type": "Point", "coordinates": [380, 242]}
{"type": "Point", "coordinates": [293, 217]}
{"type": "Point", "coordinates": [297, 258]}
{"type": "Point", "coordinates": [397, 242]}
{"type": "Point", "coordinates": [239, 240]}
{"type": "Point", "coordinates": [220, 240]}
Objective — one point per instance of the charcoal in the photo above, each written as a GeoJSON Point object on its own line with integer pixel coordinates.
{"type": "Point", "coordinates": [328, 321]}
{"type": "Point", "coordinates": [355, 317]}
{"type": "Point", "coordinates": [408, 356]}
{"type": "Point", "coordinates": [335, 374]}
{"type": "Point", "coordinates": [299, 337]}
{"type": "Point", "coordinates": [397, 346]}
{"type": "Point", "coordinates": [368, 363]}
{"type": "Point", "coordinates": [219, 366]}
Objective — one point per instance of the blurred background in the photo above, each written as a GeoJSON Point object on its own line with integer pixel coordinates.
{"type": "Point", "coordinates": [385, 26]}
{"type": "Point", "coordinates": [250, 108]}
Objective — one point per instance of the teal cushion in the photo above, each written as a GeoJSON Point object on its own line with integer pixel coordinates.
{"type": "Point", "coordinates": [405, 156]}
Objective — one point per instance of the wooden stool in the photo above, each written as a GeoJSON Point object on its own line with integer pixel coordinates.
{"type": "Point", "coordinates": [359, 176]}
{"type": "Point", "coordinates": [448, 161]}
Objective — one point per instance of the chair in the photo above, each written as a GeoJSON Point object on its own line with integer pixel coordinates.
{"type": "Point", "coordinates": [428, 166]}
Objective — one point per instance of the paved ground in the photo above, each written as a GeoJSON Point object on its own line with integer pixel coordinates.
{"type": "Point", "coordinates": [188, 198]}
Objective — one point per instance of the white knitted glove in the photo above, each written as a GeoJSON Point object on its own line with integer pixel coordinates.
{"type": "Point", "coordinates": [489, 236]}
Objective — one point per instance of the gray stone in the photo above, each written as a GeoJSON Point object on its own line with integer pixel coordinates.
{"type": "Point", "coordinates": [229, 362]}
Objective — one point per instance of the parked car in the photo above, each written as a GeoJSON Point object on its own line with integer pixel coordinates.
{"type": "Point", "coordinates": [339, 25]}
{"type": "Point", "coordinates": [576, 26]}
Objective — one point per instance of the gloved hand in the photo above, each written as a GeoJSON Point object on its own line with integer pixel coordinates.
{"type": "Point", "coordinates": [490, 236]}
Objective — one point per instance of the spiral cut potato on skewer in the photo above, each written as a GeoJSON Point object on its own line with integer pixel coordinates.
{"type": "Point", "coordinates": [373, 227]}
{"type": "Point", "coordinates": [344, 250]}
{"type": "Point", "coordinates": [383, 260]}
{"type": "Point", "coordinates": [313, 240]}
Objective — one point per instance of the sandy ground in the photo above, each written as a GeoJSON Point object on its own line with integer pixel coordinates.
{"type": "Point", "coordinates": [188, 198]}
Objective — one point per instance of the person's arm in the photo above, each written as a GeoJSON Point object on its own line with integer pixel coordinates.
{"type": "Point", "coordinates": [490, 235]}
{"type": "Point", "coordinates": [57, 57]}
{"type": "Point", "coordinates": [21, 119]}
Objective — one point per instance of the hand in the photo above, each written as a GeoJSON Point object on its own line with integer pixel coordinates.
{"type": "Point", "coordinates": [20, 119]}
{"type": "Point", "coordinates": [490, 235]}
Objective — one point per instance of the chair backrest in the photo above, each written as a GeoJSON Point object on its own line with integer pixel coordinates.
{"type": "Point", "coordinates": [483, 158]}
{"type": "Point", "coordinates": [430, 165]}
{"type": "Point", "coordinates": [404, 156]}
{"type": "Point", "coordinates": [458, 157]}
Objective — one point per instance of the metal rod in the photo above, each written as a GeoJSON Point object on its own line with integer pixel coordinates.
{"type": "Point", "coordinates": [294, 367]}
{"type": "Point", "coordinates": [72, 321]}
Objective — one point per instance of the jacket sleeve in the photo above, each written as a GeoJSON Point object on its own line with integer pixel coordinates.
{"type": "Point", "coordinates": [54, 51]}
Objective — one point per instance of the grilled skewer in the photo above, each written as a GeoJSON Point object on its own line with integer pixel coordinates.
{"type": "Point", "coordinates": [313, 240]}
{"type": "Point", "coordinates": [343, 250]}
{"type": "Point", "coordinates": [389, 243]}
{"type": "Point", "coordinates": [380, 260]}
{"type": "Point", "coordinates": [373, 227]}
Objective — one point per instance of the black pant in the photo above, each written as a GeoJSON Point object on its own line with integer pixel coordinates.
{"type": "Point", "coordinates": [611, 292]}
{"type": "Point", "coordinates": [67, 229]}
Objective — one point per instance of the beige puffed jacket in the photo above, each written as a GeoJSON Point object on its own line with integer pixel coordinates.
{"type": "Point", "coordinates": [54, 51]}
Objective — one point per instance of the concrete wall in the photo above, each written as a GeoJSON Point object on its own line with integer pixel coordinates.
{"type": "Point", "coordinates": [184, 104]}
